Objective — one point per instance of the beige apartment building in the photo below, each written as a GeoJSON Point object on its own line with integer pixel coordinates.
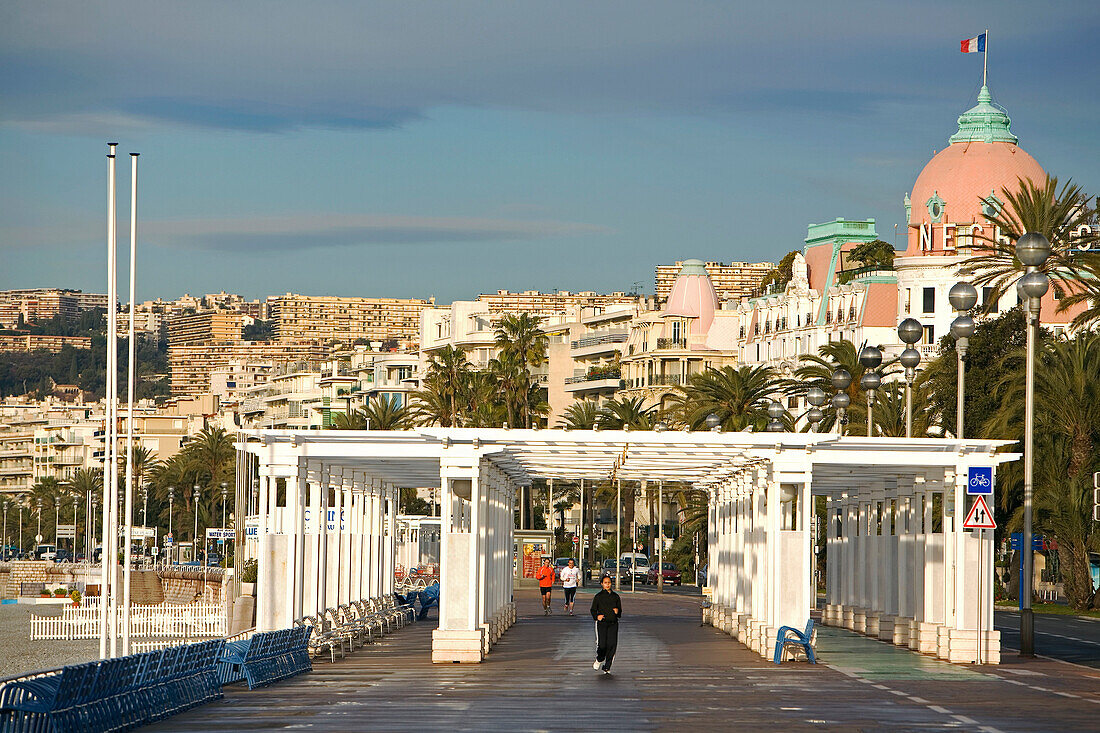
{"type": "Point", "coordinates": [190, 367]}
{"type": "Point", "coordinates": [732, 281]}
{"type": "Point", "coordinates": [42, 304]}
{"type": "Point", "coordinates": [550, 304]}
{"type": "Point", "coordinates": [54, 344]}
{"type": "Point", "coordinates": [298, 318]}
{"type": "Point", "coordinates": [204, 328]}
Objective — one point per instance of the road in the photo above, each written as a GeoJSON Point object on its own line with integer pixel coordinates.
{"type": "Point", "coordinates": [1066, 638]}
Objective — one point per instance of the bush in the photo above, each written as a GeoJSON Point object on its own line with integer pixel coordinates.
{"type": "Point", "coordinates": [75, 596]}
{"type": "Point", "coordinates": [249, 572]}
{"type": "Point", "coordinates": [60, 593]}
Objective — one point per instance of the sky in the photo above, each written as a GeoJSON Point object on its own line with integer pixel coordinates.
{"type": "Point", "coordinates": [416, 149]}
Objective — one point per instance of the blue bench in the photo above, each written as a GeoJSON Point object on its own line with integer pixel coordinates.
{"type": "Point", "coordinates": [266, 657]}
{"type": "Point", "coordinates": [428, 597]}
{"type": "Point", "coordinates": [803, 639]}
{"type": "Point", "coordinates": [113, 694]}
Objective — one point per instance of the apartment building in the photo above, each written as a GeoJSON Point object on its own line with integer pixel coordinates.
{"type": "Point", "coordinates": [206, 327]}
{"type": "Point", "coordinates": [550, 304]}
{"type": "Point", "coordinates": [731, 281]}
{"type": "Point", "coordinates": [53, 344]}
{"type": "Point", "coordinates": [595, 351]}
{"type": "Point", "coordinates": [345, 320]}
{"type": "Point", "coordinates": [292, 399]}
{"type": "Point", "coordinates": [16, 461]}
{"type": "Point", "coordinates": [42, 304]}
{"type": "Point", "coordinates": [190, 367]}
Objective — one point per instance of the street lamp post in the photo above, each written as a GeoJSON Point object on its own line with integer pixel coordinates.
{"type": "Point", "coordinates": [38, 534]}
{"type": "Point", "coordinates": [910, 332]}
{"type": "Point", "coordinates": [963, 296]}
{"type": "Point", "coordinates": [195, 537]}
{"type": "Point", "coordinates": [225, 547]}
{"type": "Point", "coordinates": [5, 552]}
{"type": "Point", "coordinates": [171, 501]}
{"type": "Point", "coordinates": [816, 397]}
{"type": "Point", "coordinates": [1032, 250]}
{"type": "Point", "coordinates": [870, 357]}
{"type": "Point", "coordinates": [775, 417]}
{"type": "Point", "coordinates": [841, 379]}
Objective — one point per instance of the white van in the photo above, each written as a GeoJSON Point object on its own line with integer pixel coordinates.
{"type": "Point", "coordinates": [636, 563]}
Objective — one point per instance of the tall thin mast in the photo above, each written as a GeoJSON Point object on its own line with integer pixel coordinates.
{"type": "Point", "coordinates": [985, 57]}
{"type": "Point", "coordinates": [130, 378]}
{"type": "Point", "coordinates": [106, 640]}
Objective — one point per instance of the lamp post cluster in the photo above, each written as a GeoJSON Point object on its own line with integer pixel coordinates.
{"type": "Point", "coordinates": [910, 332]}
{"type": "Point", "coordinates": [871, 358]}
{"type": "Point", "coordinates": [816, 397]}
{"type": "Point", "coordinates": [841, 379]}
{"type": "Point", "coordinates": [963, 296]}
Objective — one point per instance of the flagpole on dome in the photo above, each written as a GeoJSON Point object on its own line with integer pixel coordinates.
{"type": "Point", "coordinates": [985, 56]}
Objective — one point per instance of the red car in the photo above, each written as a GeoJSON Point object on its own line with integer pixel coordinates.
{"type": "Point", "coordinates": [668, 570]}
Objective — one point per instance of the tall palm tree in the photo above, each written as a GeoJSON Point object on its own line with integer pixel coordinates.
{"type": "Point", "coordinates": [626, 413]}
{"type": "Point", "coordinates": [739, 396]}
{"type": "Point", "coordinates": [444, 384]}
{"type": "Point", "coordinates": [513, 382]}
{"type": "Point", "coordinates": [1036, 206]}
{"type": "Point", "coordinates": [581, 415]}
{"type": "Point", "coordinates": [522, 346]}
{"type": "Point", "coordinates": [384, 414]}
{"type": "Point", "coordinates": [353, 420]}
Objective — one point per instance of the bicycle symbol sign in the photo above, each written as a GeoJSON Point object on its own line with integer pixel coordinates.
{"type": "Point", "coordinates": [979, 480]}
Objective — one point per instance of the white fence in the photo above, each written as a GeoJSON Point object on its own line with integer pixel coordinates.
{"type": "Point", "coordinates": [182, 622]}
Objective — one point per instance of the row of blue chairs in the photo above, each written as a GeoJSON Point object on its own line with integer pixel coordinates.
{"type": "Point", "coordinates": [266, 657]}
{"type": "Point", "coordinates": [113, 694]}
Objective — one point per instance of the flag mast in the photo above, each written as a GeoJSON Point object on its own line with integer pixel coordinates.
{"type": "Point", "coordinates": [985, 57]}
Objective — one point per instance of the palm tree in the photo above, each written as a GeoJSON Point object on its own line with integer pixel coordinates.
{"type": "Point", "coordinates": [1036, 207]}
{"type": "Point", "coordinates": [626, 413]}
{"type": "Point", "coordinates": [385, 414]}
{"type": "Point", "coordinates": [522, 346]}
{"type": "Point", "coordinates": [582, 415]}
{"type": "Point", "coordinates": [353, 420]}
{"type": "Point", "coordinates": [444, 384]}
{"type": "Point", "coordinates": [739, 396]}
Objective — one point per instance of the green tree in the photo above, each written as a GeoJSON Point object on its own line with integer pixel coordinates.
{"type": "Point", "coordinates": [626, 413]}
{"type": "Point", "coordinates": [581, 415]}
{"type": "Point", "coordinates": [739, 396]}
{"type": "Point", "coordinates": [1035, 207]}
{"type": "Point", "coordinates": [385, 414]}
{"type": "Point", "coordinates": [445, 384]}
{"type": "Point", "coordinates": [778, 277]}
{"type": "Point", "coordinates": [523, 346]}
{"type": "Point", "coordinates": [995, 348]}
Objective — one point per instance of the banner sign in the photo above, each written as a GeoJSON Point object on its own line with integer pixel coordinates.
{"type": "Point", "coordinates": [220, 533]}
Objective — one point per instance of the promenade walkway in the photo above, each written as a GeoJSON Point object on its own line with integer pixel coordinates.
{"type": "Point", "coordinates": [670, 674]}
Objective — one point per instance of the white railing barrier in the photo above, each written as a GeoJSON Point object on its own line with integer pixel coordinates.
{"type": "Point", "coordinates": [183, 621]}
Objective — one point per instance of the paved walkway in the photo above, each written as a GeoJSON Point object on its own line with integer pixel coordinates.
{"type": "Point", "coordinates": [670, 674]}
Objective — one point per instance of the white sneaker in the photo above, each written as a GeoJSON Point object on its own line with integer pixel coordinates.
{"type": "Point", "coordinates": [597, 664]}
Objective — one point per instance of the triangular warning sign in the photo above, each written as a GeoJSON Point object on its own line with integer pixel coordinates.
{"type": "Point", "coordinates": [979, 517]}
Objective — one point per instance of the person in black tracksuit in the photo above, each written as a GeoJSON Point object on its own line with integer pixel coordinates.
{"type": "Point", "coordinates": [607, 609]}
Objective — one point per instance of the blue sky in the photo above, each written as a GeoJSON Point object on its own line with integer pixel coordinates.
{"type": "Point", "coordinates": [410, 149]}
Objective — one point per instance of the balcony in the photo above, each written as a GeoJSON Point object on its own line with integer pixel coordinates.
{"type": "Point", "coordinates": [611, 337]}
{"type": "Point", "coordinates": [680, 343]}
{"type": "Point", "coordinates": [667, 380]}
{"type": "Point", "coordinates": [593, 375]}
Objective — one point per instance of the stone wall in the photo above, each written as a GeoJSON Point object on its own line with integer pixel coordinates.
{"type": "Point", "coordinates": [176, 585]}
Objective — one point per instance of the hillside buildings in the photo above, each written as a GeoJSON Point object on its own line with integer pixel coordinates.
{"type": "Point", "coordinates": [326, 319]}
{"type": "Point", "coordinates": [191, 367]}
{"type": "Point", "coordinates": [42, 304]}
{"type": "Point", "coordinates": [731, 281]}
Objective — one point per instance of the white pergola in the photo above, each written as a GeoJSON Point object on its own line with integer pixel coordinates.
{"type": "Point", "coordinates": [899, 565]}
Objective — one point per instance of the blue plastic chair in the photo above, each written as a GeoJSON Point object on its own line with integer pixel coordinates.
{"type": "Point", "coordinates": [801, 638]}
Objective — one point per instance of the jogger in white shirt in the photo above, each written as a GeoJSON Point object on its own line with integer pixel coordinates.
{"type": "Point", "coordinates": [570, 575]}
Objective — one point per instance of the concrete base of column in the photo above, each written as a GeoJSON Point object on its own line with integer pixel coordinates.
{"type": "Point", "coordinates": [741, 627]}
{"type": "Point", "coordinates": [926, 638]}
{"type": "Point", "coordinates": [847, 617]}
{"type": "Point", "coordinates": [486, 639]}
{"type": "Point", "coordinates": [870, 623]}
{"type": "Point", "coordinates": [886, 628]}
{"type": "Point", "coordinates": [859, 620]}
{"type": "Point", "coordinates": [901, 630]}
{"type": "Point", "coordinates": [458, 646]}
{"type": "Point", "coordinates": [961, 647]}
{"type": "Point", "coordinates": [766, 644]}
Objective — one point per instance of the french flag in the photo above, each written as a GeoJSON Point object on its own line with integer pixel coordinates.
{"type": "Point", "coordinates": [973, 45]}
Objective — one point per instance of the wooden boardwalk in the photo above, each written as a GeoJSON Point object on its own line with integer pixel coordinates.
{"type": "Point", "coordinates": [670, 674]}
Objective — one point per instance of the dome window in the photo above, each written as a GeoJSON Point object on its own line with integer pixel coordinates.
{"type": "Point", "coordinates": [935, 207]}
{"type": "Point", "coordinates": [991, 205]}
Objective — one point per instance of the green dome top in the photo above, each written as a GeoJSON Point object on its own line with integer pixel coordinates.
{"type": "Point", "coordinates": [984, 123]}
{"type": "Point", "coordinates": [693, 267]}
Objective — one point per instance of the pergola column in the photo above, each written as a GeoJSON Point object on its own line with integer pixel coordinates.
{"type": "Point", "coordinates": [275, 579]}
{"type": "Point", "coordinates": [460, 636]}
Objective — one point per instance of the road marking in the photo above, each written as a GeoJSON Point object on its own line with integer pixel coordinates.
{"type": "Point", "coordinates": [940, 710]}
{"type": "Point", "coordinates": [1059, 636]}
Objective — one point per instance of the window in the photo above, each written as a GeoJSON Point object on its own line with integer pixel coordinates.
{"type": "Point", "coordinates": [929, 334]}
{"type": "Point", "coordinates": [908, 300]}
{"type": "Point", "coordinates": [929, 300]}
{"type": "Point", "coordinates": [675, 330]}
{"type": "Point", "coordinates": [987, 297]}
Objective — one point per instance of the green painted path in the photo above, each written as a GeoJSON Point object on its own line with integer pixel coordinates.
{"type": "Point", "coordinates": [855, 654]}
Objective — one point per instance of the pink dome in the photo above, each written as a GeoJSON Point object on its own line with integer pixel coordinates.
{"type": "Point", "coordinates": [693, 297]}
{"type": "Point", "coordinates": [982, 159]}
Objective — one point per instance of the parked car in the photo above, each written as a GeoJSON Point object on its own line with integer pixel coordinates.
{"type": "Point", "coordinates": [45, 552]}
{"type": "Point", "coordinates": [668, 570]}
{"type": "Point", "coordinates": [608, 568]}
{"type": "Point", "coordinates": [560, 563]}
{"type": "Point", "coordinates": [636, 565]}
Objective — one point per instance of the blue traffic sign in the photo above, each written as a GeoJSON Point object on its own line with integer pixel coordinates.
{"type": "Point", "coordinates": [979, 480]}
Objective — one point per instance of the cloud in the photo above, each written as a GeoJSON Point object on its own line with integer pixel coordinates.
{"type": "Point", "coordinates": [283, 233]}
{"type": "Point", "coordinates": [272, 66]}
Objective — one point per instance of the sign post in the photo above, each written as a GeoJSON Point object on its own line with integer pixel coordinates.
{"type": "Point", "coordinates": [980, 484]}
